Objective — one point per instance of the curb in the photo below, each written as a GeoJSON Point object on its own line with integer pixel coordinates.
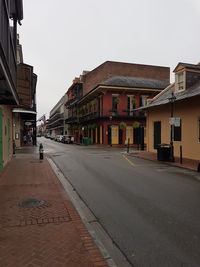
{"type": "Point", "coordinates": [99, 254]}
{"type": "Point", "coordinates": [163, 162]}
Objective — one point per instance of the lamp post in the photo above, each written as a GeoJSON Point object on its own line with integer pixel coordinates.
{"type": "Point", "coordinates": [171, 101]}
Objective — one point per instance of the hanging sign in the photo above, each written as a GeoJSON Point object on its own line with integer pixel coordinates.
{"type": "Point", "coordinates": [28, 123]}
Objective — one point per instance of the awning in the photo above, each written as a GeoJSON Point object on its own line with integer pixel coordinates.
{"type": "Point", "coordinates": [17, 110]}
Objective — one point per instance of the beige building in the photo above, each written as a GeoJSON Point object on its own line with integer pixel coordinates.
{"type": "Point", "coordinates": [173, 116]}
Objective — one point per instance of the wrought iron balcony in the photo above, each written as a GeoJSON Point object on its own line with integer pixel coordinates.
{"type": "Point", "coordinates": [106, 114]}
{"type": "Point", "coordinates": [56, 119]}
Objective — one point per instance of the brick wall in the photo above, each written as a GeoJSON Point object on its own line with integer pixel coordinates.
{"type": "Point", "coordinates": [110, 69]}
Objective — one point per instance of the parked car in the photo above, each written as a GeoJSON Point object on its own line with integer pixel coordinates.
{"type": "Point", "coordinates": [67, 139]}
{"type": "Point", "coordinates": [48, 135]}
{"type": "Point", "coordinates": [52, 137]}
{"type": "Point", "coordinates": [58, 138]}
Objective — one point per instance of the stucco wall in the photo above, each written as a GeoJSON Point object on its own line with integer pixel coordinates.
{"type": "Point", "coordinates": [17, 129]}
{"type": "Point", "coordinates": [189, 112]}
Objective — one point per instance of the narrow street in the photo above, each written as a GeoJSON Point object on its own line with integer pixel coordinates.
{"type": "Point", "coordinates": [150, 210]}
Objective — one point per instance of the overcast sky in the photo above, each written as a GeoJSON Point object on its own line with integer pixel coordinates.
{"type": "Point", "coordinates": [64, 37]}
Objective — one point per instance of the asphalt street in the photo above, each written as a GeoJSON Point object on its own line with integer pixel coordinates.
{"type": "Point", "coordinates": [150, 210]}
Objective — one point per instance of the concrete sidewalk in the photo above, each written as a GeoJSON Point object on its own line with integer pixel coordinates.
{"type": "Point", "coordinates": [186, 163]}
{"type": "Point", "coordinates": [39, 225]}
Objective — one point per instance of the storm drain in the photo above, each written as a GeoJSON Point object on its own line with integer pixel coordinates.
{"type": "Point", "coordinates": [31, 203]}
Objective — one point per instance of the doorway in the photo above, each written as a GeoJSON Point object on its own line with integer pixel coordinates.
{"type": "Point", "coordinates": [157, 133]}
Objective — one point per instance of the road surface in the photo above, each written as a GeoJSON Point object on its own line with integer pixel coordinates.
{"type": "Point", "coordinates": [150, 210]}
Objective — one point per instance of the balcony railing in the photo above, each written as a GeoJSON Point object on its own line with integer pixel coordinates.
{"type": "Point", "coordinates": [7, 50]}
{"type": "Point", "coordinates": [106, 114]}
{"type": "Point", "coordinates": [56, 120]}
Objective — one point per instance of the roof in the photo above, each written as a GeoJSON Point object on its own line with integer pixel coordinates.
{"type": "Point", "coordinates": [163, 97]}
{"type": "Point", "coordinates": [188, 65]}
{"type": "Point", "coordinates": [135, 82]}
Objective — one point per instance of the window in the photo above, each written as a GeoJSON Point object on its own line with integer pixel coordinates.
{"type": "Point", "coordinates": [180, 81]}
{"type": "Point", "coordinates": [177, 132]}
{"type": "Point", "coordinates": [199, 129]}
{"type": "Point", "coordinates": [143, 101]}
{"type": "Point", "coordinates": [114, 103]}
{"type": "Point", "coordinates": [131, 104]}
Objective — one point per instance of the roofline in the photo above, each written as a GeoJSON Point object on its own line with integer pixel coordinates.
{"type": "Point", "coordinates": [183, 63]}
{"type": "Point", "coordinates": [100, 86]}
{"type": "Point", "coordinates": [163, 91]}
{"type": "Point", "coordinates": [72, 85]}
{"type": "Point", "coordinates": [125, 63]}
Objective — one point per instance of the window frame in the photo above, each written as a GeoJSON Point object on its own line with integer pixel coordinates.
{"type": "Point", "coordinates": [180, 81]}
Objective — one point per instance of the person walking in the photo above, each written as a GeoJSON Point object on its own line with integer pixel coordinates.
{"type": "Point", "coordinates": [25, 139]}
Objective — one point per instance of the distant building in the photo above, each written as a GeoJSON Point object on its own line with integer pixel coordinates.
{"type": "Point", "coordinates": [56, 118]}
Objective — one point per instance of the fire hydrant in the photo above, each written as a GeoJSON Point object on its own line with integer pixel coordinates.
{"type": "Point", "coordinates": [41, 151]}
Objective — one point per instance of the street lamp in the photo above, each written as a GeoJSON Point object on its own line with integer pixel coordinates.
{"type": "Point", "coordinates": [171, 101]}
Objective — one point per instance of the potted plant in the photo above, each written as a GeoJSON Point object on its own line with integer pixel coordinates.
{"type": "Point", "coordinates": [122, 125]}
{"type": "Point", "coordinates": [136, 124]}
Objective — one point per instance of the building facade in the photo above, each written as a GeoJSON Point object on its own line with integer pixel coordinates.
{"type": "Point", "coordinates": [56, 122]}
{"type": "Point", "coordinates": [104, 110]}
{"type": "Point", "coordinates": [11, 74]}
{"type": "Point", "coordinates": [174, 114]}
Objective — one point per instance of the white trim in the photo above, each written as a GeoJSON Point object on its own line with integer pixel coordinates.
{"type": "Point", "coordinates": [23, 111]}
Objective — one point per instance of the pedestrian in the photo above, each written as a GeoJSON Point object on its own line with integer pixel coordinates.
{"type": "Point", "coordinates": [25, 139]}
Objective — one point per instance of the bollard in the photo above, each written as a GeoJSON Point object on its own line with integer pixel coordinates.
{"type": "Point", "coordinates": [41, 151]}
{"type": "Point", "coordinates": [128, 145]}
{"type": "Point", "coordinates": [181, 155]}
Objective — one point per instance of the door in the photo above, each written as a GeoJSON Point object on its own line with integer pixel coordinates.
{"type": "Point", "coordinates": [129, 134]}
{"type": "Point", "coordinates": [120, 136]}
{"type": "Point", "coordinates": [157, 133]}
{"type": "Point", "coordinates": [115, 135]}
{"type": "Point", "coordinates": [98, 135]}
{"type": "Point", "coordinates": [138, 137]}
{"type": "Point", "coordinates": [9, 139]}
{"type": "Point", "coordinates": [109, 135]}
{"type": "Point", "coordinates": [1, 141]}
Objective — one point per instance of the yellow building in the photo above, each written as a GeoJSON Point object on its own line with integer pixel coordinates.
{"type": "Point", "coordinates": [173, 116]}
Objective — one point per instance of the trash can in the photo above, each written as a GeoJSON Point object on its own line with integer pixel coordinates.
{"type": "Point", "coordinates": [163, 152]}
{"type": "Point", "coordinates": [86, 141]}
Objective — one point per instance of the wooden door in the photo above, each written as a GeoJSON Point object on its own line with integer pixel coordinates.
{"type": "Point", "coordinates": [157, 133]}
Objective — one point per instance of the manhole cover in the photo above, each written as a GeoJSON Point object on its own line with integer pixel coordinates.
{"type": "Point", "coordinates": [31, 203]}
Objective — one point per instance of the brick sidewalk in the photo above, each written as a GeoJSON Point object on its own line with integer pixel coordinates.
{"type": "Point", "coordinates": [50, 235]}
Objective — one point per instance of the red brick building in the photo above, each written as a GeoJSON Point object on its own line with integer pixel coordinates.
{"type": "Point", "coordinates": [102, 108]}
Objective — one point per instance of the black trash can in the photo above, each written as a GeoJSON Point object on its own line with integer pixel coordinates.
{"type": "Point", "coordinates": [163, 152]}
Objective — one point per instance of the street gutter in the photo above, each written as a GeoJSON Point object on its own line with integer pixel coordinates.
{"type": "Point", "coordinates": [110, 251]}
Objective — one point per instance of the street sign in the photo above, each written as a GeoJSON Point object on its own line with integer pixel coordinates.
{"type": "Point", "coordinates": [175, 121]}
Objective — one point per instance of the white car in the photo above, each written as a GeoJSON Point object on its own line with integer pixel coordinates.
{"type": "Point", "coordinates": [58, 138]}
